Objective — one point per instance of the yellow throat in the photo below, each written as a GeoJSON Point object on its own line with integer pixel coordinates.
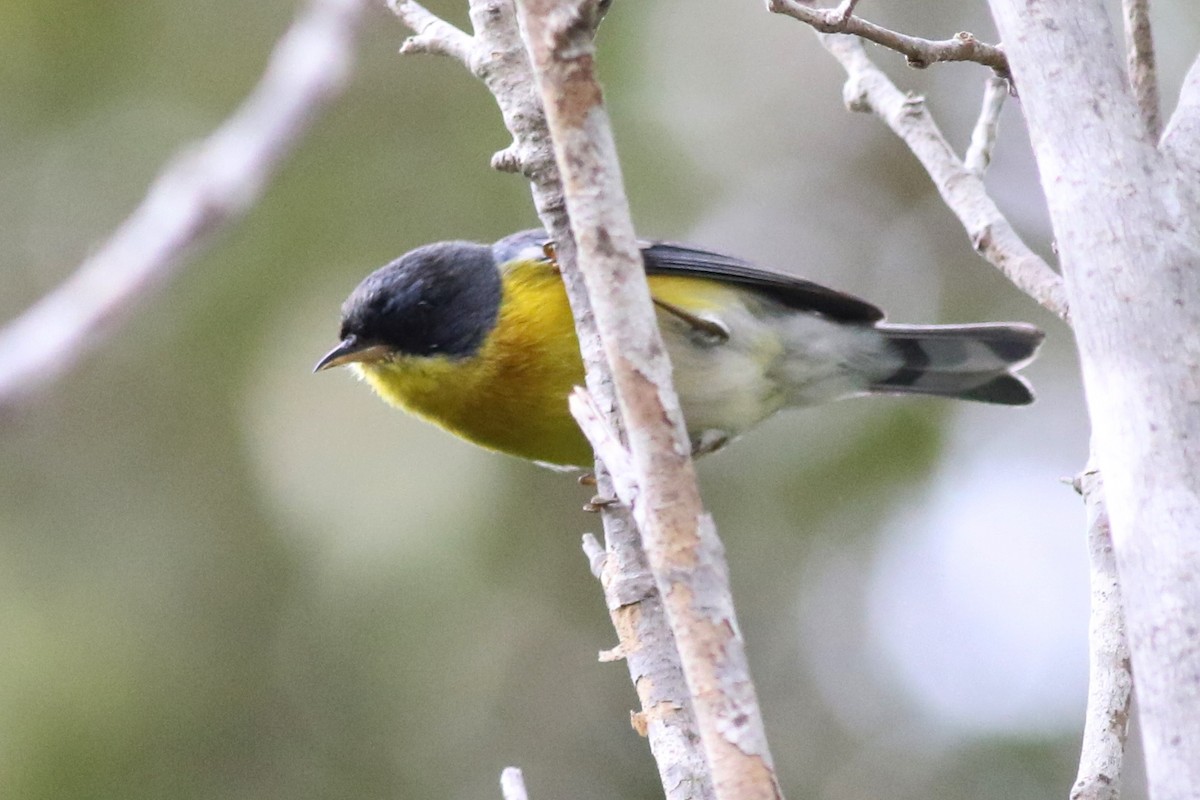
{"type": "Point", "coordinates": [511, 395]}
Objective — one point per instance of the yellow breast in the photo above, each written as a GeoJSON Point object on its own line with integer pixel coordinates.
{"type": "Point", "coordinates": [511, 396]}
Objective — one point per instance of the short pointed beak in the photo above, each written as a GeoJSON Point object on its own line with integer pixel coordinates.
{"type": "Point", "coordinates": [352, 351]}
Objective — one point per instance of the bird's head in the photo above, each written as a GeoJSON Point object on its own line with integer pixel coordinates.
{"type": "Point", "coordinates": [440, 300]}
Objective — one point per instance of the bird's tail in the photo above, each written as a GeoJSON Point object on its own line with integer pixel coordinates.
{"type": "Point", "coordinates": [970, 362]}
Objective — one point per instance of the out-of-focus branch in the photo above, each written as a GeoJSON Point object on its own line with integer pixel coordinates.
{"type": "Point", "coordinates": [983, 137]}
{"type": "Point", "coordinates": [684, 553]}
{"type": "Point", "coordinates": [512, 784]}
{"type": "Point", "coordinates": [1110, 680]}
{"type": "Point", "coordinates": [1143, 76]}
{"type": "Point", "coordinates": [919, 52]}
{"type": "Point", "coordinates": [205, 187]}
{"type": "Point", "coordinates": [496, 55]}
{"type": "Point", "coordinates": [868, 89]}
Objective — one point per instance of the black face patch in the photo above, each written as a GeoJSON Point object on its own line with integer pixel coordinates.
{"type": "Point", "coordinates": [441, 299]}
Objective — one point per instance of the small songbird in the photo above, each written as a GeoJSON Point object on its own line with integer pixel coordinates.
{"type": "Point", "coordinates": [480, 340]}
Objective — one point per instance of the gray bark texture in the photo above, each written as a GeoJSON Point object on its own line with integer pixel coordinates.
{"type": "Point", "coordinates": [1126, 217]}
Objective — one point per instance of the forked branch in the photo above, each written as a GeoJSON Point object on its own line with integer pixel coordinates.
{"type": "Point", "coordinates": [960, 185]}
{"type": "Point", "coordinates": [919, 53]}
{"type": "Point", "coordinates": [868, 89]}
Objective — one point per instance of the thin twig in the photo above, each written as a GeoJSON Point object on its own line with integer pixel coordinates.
{"type": "Point", "coordinates": [868, 89]}
{"type": "Point", "coordinates": [204, 188]}
{"type": "Point", "coordinates": [666, 717]}
{"type": "Point", "coordinates": [983, 137]}
{"type": "Point", "coordinates": [432, 34]}
{"type": "Point", "coordinates": [919, 52]}
{"type": "Point", "coordinates": [497, 56]}
{"type": "Point", "coordinates": [512, 784]}
{"type": "Point", "coordinates": [684, 553]}
{"type": "Point", "coordinates": [1143, 76]}
{"type": "Point", "coordinates": [635, 607]}
{"type": "Point", "coordinates": [1110, 680]}
{"type": "Point", "coordinates": [846, 8]}
{"type": "Point", "coordinates": [606, 442]}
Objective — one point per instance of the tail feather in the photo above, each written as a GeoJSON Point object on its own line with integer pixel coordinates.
{"type": "Point", "coordinates": [969, 362]}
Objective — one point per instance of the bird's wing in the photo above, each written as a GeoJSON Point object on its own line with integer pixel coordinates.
{"type": "Point", "coordinates": [667, 258]}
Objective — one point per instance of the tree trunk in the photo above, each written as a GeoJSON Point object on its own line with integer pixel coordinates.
{"type": "Point", "coordinates": [1125, 213]}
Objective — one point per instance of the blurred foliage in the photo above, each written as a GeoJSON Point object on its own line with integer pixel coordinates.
{"type": "Point", "coordinates": [226, 578]}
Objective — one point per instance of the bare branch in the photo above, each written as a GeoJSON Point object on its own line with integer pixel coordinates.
{"type": "Point", "coordinates": [635, 607]}
{"type": "Point", "coordinates": [1143, 76]}
{"type": "Point", "coordinates": [644, 639]}
{"type": "Point", "coordinates": [983, 137]}
{"type": "Point", "coordinates": [846, 8]}
{"type": "Point", "coordinates": [606, 442]}
{"type": "Point", "coordinates": [681, 543]}
{"type": "Point", "coordinates": [433, 34]}
{"type": "Point", "coordinates": [497, 56]}
{"type": "Point", "coordinates": [867, 88]}
{"type": "Point", "coordinates": [1110, 680]}
{"type": "Point", "coordinates": [919, 52]}
{"type": "Point", "coordinates": [204, 188]}
{"type": "Point", "coordinates": [512, 784]}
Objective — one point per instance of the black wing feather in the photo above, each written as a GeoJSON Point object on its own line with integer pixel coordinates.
{"type": "Point", "coordinates": [668, 258]}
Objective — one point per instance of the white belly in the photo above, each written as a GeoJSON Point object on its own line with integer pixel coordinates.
{"type": "Point", "coordinates": [771, 359]}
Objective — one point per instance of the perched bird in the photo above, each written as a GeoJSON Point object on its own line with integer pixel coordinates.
{"type": "Point", "coordinates": [480, 340]}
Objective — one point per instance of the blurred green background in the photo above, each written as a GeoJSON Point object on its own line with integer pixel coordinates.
{"type": "Point", "coordinates": [224, 577]}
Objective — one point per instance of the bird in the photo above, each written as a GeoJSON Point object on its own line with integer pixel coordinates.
{"type": "Point", "coordinates": [479, 339]}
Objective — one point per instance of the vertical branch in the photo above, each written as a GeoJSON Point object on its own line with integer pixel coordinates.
{"type": "Point", "coordinates": [681, 543]}
{"type": "Point", "coordinates": [496, 55]}
{"type": "Point", "coordinates": [635, 607]}
{"type": "Point", "coordinates": [983, 137]}
{"type": "Point", "coordinates": [1143, 75]}
{"type": "Point", "coordinates": [1110, 680]}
